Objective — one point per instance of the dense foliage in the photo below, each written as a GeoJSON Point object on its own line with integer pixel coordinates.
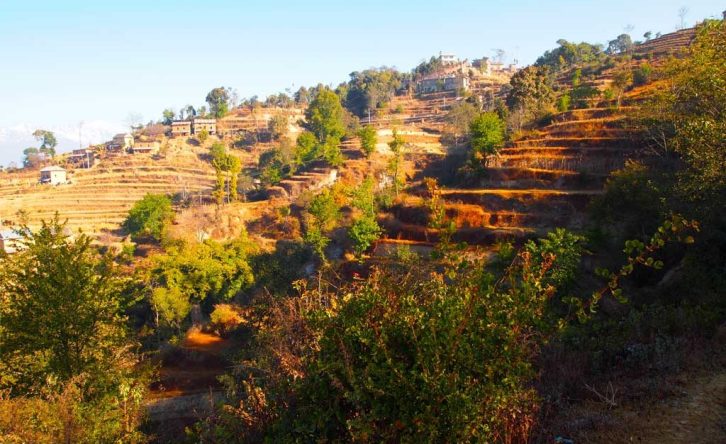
{"type": "Point", "coordinates": [325, 125]}
{"type": "Point", "coordinates": [149, 216]}
{"type": "Point", "coordinates": [487, 136]}
{"type": "Point", "coordinates": [568, 54]}
{"type": "Point", "coordinates": [371, 89]}
{"type": "Point", "coordinates": [65, 351]}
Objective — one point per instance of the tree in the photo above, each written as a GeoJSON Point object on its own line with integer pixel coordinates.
{"type": "Point", "coordinates": [682, 13]}
{"type": "Point", "coordinates": [648, 35]}
{"type": "Point", "coordinates": [693, 110]}
{"type": "Point", "coordinates": [47, 141]}
{"type": "Point", "coordinates": [167, 116]}
{"type": "Point", "coordinates": [371, 89]}
{"type": "Point", "coordinates": [62, 312]}
{"type": "Point", "coordinates": [218, 101]}
{"type": "Point", "coordinates": [203, 135]}
{"type": "Point", "coordinates": [190, 111]}
{"type": "Point", "coordinates": [227, 167]}
{"type": "Point", "coordinates": [368, 139]}
{"type": "Point", "coordinates": [487, 136]}
{"type": "Point", "coordinates": [302, 96]}
{"type": "Point", "coordinates": [531, 92]}
{"type": "Point", "coordinates": [149, 216]}
{"type": "Point", "coordinates": [325, 120]}
{"type": "Point", "coordinates": [365, 229]}
{"type": "Point", "coordinates": [31, 157]}
{"type": "Point", "coordinates": [394, 166]}
{"type": "Point", "coordinates": [622, 44]}
{"type": "Point", "coordinates": [322, 215]}
{"type": "Point", "coordinates": [460, 117]}
{"type": "Point", "coordinates": [569, 54]}
{"type": "Point", "coordinates": [189, 273]}
{"type": "Point", "coordinates": [324, 116]}
{"type": "Point", "coordinates": [278, 126]}
{"type": "Point", "coordinates": [170, 306]}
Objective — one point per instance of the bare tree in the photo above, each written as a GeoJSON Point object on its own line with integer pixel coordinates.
{"type": "Point", "coordinates": [499, 55]}
{"type": "Point", "coordinates": [134, 119]}
{"type": "Point", "coordinates": [682, 13]}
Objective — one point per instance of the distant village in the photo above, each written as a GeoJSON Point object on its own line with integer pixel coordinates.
{"type": "Point", "coordinates": [453, 74]}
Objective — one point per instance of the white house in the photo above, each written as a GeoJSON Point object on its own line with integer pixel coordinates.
{"type": "Point", "coordinates": [53, 175]}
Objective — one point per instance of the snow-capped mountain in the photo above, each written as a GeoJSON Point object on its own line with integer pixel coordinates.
{"type": "Point", "coordinates": [14, 139]}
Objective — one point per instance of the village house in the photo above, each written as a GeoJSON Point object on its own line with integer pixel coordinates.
{"type": "Point", "coordinates": [438, 82]}
{"type": "Point", "coordinates": [83, 158]}
{"type": "Point", "coordinates": [181, 128]}
{"type": "Point", "coordinates": [10, 241]}
{"type": "Point", "coordinates": [199, 125]}
{"type": "Point", "coordinates": [53, 175]}
{"type": "Point", "coordinates": [121, 142]}
{"type": "Point", "coordinates": [448, 58]}
{"type": "Point", "coordinates": [146, 147]}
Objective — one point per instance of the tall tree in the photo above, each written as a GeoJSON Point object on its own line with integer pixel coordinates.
{"type": "Point", "coordinates": [487, 135]}
{"type": "Point", "coordinates": [531, 91]}
{"type": "Point", "coordinates": [62, 311]}
{"type": "Point", "coordinates": [218, 101]}
{"type": "Point", "coordinates": [167, 116]}
{"type": "Point", "coordinates": [47, 141]}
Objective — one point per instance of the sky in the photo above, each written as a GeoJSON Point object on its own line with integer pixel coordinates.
{"type": "Point", "coordinates": [98, 62]}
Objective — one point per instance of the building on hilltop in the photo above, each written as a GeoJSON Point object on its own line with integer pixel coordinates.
{"type": "Point", "coordinates": [448, 58]}
{"type": "Point", "coordinates": [146, 147]}
{"type": "Point", "coordinates": [199, 125]}
{"type": "Point", "coordinates": [442, 82]}
{"type": "Point", "coordinates": [488, 68]}
{"type": "Point", "coordinates": [181, 128]}
{"type": "Point", "coordinates": [53, 175]}
{"type": "Point", "coordinates": [121, 142]}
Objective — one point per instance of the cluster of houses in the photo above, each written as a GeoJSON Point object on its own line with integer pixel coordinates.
{"type": "Point", "coordinates": [185, 128]}
{"type": "Point", "coordinates": [456, 75]}
{"type": "Point", "coordinates": [125, 143]}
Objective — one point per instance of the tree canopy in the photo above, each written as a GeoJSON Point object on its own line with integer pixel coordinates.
{"type": "Point", "coordinates": [218, 101]}
{"type": "Point", "coordinates": [62, 311]}
{"type": "Point", "coordinates": [149, 216]}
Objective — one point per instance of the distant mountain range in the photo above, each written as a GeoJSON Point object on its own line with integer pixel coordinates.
{"type": "Point", "coordinates": [14, 139]}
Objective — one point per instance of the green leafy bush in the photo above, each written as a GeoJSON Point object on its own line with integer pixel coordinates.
{"type": "Point", "coordinates": [149, 216]}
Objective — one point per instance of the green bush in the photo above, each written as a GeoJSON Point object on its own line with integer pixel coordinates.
{"type": "Point", "coordinates": [149, 216]}
{"type": "Point", "coordinates": [642, 74]}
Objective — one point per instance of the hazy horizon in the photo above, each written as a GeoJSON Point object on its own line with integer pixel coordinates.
{"type": "Point", "coordinates": [97, 63]}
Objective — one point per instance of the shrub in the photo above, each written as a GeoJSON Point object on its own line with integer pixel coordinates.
{"type": "Point", "coordinates": [368, 139]}
{"type": "Point", "coordinates": [225, 318]}
{"type": "Point", "coordinates": [642, 74]}
{"type": "Point", "coordinates": [563, 103]}
{"type": "Point", "coordinates": [149, 216]}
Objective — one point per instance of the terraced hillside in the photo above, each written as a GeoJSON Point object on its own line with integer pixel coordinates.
{"type": "Point", "coordinates": [99, 198]}
{"type": "Point", "coordinates": [542, 181]}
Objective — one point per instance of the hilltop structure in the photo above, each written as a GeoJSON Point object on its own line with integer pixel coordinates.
{"type": "Point", "coordinates": [459, 75]}
{"type": "Point", "coordinates": [182, 128]}
{"type": "Point", "coordinates": [199, 125]}
{"type": "Point", "coordinates": [121, 142]}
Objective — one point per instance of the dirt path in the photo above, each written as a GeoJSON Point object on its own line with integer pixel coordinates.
{"type": "Point", "coordinates": [187, 388]}
{"type": "Point", "coordinates": [693, 411]}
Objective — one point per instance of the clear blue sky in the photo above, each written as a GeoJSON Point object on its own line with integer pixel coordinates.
{"type": "Point", "coordinates": [66, 61]}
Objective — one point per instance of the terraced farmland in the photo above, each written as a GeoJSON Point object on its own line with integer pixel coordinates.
{"type": "Point", "coordinates": [99, 198]}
